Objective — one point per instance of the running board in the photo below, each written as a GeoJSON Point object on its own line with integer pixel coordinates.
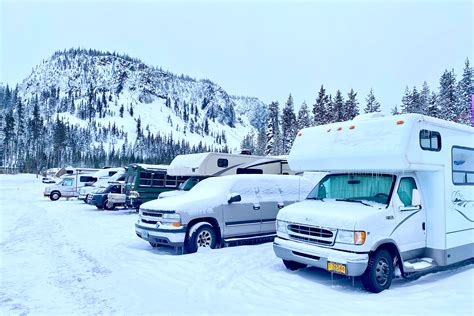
{"type": "Point", "coordinates": [418, 265]}
{"type": "Point", "coordinates": [248, 239]}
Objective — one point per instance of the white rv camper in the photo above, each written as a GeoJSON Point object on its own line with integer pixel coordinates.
{"type": "Point", "coordinates": [205, 165]}
{"type": "Point", "coordinates": [399, 195]}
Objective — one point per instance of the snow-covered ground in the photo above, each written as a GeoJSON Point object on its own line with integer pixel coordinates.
{"type": "Point", "coordinates": [68, 257]}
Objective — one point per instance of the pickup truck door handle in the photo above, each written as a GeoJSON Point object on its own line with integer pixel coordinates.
{"type": "Point", "coordinates": [256, 207]}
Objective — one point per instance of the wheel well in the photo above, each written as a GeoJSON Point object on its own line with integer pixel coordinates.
{"type": "Point", "coordinates": [393, 251]}
{"type": "Point", "coordinates": [209, 220]}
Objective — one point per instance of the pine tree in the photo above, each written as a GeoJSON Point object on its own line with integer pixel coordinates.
{"type": "Point", "coordinates": [273, 146]}
{"type": "Point", "coordinates": [248, 142]}
{"type": "Point", "coordinates": [351, 107]}
{"type": "Point", "coordinates": [121, 110]}
{"type": "Point", "coordinates": [261, 144]}
{"type": "Point", "coordinates": [433, 109]}
{"type": "Point", "coordinates": [372, 104]}
{"type": "Point", "coordinates": [338, 107]}
{"type": "Point", "coordinates": [415, 99]}
{"type": "Point", "coordinates": [288, 125]}
{"type": "Point", "coordinates": [320, 108]}
{"type": "Point", "coordinates": [464, 92]}
{"type": "Point", "coordinates": [304, 119]}
{"type": "Point", "coordinates": [447, 96]}
{"type": "Point", "coordinates": [424, 98]}
{"type": "Point", "coordinates": [139, 128]}
{"type": "Point", "coordinates": [395, 110]}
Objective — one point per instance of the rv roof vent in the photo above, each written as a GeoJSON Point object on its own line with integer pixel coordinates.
{"type": "Point", "coordinates": [246, 152]}
{"type": "Point", "coordinates": [367, 116]}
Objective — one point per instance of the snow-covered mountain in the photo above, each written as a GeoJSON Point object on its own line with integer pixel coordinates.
{"type": "Point", "coordinates": [89, 88]}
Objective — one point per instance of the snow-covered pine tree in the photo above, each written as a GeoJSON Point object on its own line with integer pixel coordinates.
{"type": "Point", "coordinates": [289, 126]}
{"type": "Point", "coordinates": [447, 100]}
{"type": "Point", "coordinates": [415, 99]}
{"type": "Point", "coordinates": [424, 98]}
{"type": "Point", "coordinates": [372, 105]}
{"type": "Point", "coordinates": [464, 92]}
{"type": "Point", "coordinates": [273, 146]}
{"type": "Point", "coordinates": [304, 118]}
{"type": "Point", "coordinates": [395, 110]}
{"type": "Point", "coordinates": [320, 108]}
{"type": "Point", "coordinates": [248, 142]}
{"type": "Point", "coordinates": [338, 107]}
{"type": "Point", "coordinates": [351, 107]}
{"type": "Point", "coordinates": [261, 143]}
{"type": "Point", "coordinates": [433, 109]}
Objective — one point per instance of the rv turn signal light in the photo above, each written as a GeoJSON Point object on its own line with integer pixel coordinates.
{"type": "Point", "coordinates": [352, 127]}
{"type": "Point", "coordinates": [400, 122]}
{"type": "Point", "coordinates": [359, 237]}
{"type": "Point", "coordinates": [339, 128]}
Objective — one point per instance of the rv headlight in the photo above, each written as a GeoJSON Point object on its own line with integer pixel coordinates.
{"type": "Point", "coordinates": [171, 219]}
{"type": "Point", "coordinates": [281, 226]}
{"type": "Point", "coordinates": [351, 237]}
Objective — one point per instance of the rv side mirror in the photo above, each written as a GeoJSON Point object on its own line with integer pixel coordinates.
{"type": "Point", "coordinates": [234, 197]}
{"type": "Point", "coordinates": [415, 198]}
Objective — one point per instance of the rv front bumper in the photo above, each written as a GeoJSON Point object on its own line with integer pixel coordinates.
{"type": "Point", "coordinates": [160, 236]}
{"type": "Point", "coordinates": [316, 256]}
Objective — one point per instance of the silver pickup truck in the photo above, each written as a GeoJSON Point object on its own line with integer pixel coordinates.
{"type": "Point", "coordinates": [219, 211]}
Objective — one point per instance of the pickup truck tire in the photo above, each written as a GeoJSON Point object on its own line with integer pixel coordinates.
{"type": "Point", "coordinates": [293, 265]}
{"type": "Point", "coordinates": [108, 206]}
{"type": "Point", "coordinates": [379, 273]}
{"type": "Point", "coordinates": [55, 195]}
{"type": "Point", "coordinates": [203, 237]}
{"type": "Point", "coordinates": [87, 197]}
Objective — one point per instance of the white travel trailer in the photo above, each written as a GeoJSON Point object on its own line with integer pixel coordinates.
{"type": "Point", "coordinates": [201, 166]}
{"type": "Point", "coordinates": [399, 196]}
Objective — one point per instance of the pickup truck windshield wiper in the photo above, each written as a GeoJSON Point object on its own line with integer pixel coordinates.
{"type": "Point", "coordinates": [356, 201]}
{"type": "Point", "coordinates": [315, 198]}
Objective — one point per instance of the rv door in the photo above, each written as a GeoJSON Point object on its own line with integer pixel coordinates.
{"type": "Point", "coordinates": [410, 217]}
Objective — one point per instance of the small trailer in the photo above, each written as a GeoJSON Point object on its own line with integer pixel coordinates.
{"type": "Point", "coordinates": [398, 196]}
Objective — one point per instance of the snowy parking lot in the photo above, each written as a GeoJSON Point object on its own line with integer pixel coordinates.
{"type": "Point", "coordinates": [68, 257]}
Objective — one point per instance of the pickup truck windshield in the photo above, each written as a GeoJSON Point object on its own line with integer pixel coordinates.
{"type": "Point", "coordinates": [355, 187]}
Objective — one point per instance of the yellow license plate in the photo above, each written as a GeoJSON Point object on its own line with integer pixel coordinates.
{"type": "Point", "coordinates": [337, 267]}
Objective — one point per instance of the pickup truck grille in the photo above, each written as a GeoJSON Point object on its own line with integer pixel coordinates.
{"type": "Point", "coordinates": [311, 234]}
{"type": "Point", "coordinates": [157, 215]}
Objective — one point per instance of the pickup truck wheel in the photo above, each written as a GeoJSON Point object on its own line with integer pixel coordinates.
{"type": "Point", "coordinates": [203, 237]}
{"type": "Point", "coordinates": [378, 275]}
{"type": "Point", "coordinates": [293, 265]}
{"type": "Point", "coordinates": [99, 207]}
{"type": "Point", "coordinates": [87, 197]}
{"type": "Point", "coordinates": [54, 196]}
{"type": "Point", "coordinates": [108, 205]}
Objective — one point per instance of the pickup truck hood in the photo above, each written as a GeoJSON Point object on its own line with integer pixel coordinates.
{"type": "Point", "coordinates": [189, 203]}
{"type": "Point", "coordinates": [328, 213]}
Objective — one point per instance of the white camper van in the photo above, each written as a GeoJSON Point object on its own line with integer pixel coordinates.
{"type": "Point", "coordinates": [399, 196]}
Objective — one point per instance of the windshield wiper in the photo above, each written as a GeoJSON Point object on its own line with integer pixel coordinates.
{"type": "Point", "coordinates": [356, 201]}
{"type": "Point", "coordinates": [315, 198]}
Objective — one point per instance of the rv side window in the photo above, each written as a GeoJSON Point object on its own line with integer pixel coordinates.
{"type": "Point", "coordinates": [430, 140]}
{"type": "Point", "coordinates": [145, 178]}
{"type": "Point", "coordinates": [222, 163]}
{"type": "Point", "coordinates": [249, 171]}
{"type": "Point", "coordinates": [462, 165]}
{"type": "Point", "coordinates": [170, 181]}
{"type": "Point", "coordinates": [111, 173]}
{"type": "Point", "coordinates": [87, 179]}
{"type": "Point", "coordinates": [158, 180]}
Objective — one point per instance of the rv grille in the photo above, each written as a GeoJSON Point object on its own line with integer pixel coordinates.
{"type": "Point", "coordinates": [313, 235]}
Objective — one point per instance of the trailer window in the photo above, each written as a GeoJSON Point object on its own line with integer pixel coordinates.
{"type": "Point", "coordinates": [159, 180]}
{"type": "Point", "coordinates": [145, 178]}
{"type": "Point", "coordinates": [462, 162]}
{"type": "Point", "coordinates": [222, 163]}
{"type": "Point", "coordinates": [171, 181]}
{"type": "Point", "coordinates": [430, 140]}
{"type": "Point", "coordinates": [87, 179]}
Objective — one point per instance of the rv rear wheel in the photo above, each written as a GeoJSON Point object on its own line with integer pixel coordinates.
{"type": "Point", "coordinates": [293, 265]}
{"type": "Point", "coordinates": [54, 196]}
{"type": "Point", "coordinates": [203, 237]}
{"type": "Point", "coordinates": [109, 205]}
{"type": "Point", "coordinates": [378, 275]}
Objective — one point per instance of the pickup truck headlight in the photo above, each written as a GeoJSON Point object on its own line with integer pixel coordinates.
{"type": "Point", "coordinates": [171, 219]}
{"type": "Point", "coordinates": [281, 226]}
{"type": "Point", "coordinates": [351, 237]}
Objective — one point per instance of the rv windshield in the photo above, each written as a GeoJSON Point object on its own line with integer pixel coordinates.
{"type": "Point", "coordinates": [355, 187]}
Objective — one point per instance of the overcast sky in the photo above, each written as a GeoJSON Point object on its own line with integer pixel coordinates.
{"type": "Point", "coordinates": [265, 49]}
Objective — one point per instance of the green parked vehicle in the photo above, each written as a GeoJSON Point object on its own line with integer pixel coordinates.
{"type": "Point", "coordinates": [144, 183]}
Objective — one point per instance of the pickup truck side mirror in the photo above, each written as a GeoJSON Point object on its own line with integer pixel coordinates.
{"type": "Point", "coordinates": [415, 198]}
{"type": "Point", "coordinates": [234, 197]}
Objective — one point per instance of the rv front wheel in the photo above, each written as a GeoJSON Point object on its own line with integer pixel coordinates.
{"type": "Point", "coordinates": [293, 265]}
{"type": "Point", "coordinates": [54, 196]}
{"type": "Point", "coordinates": [378, 275]}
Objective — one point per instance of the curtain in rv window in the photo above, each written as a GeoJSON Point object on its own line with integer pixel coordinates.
{"type": "Point", "coordinates": [462, 163]}
{"type": "Point", "coordinates": [405, 190]}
